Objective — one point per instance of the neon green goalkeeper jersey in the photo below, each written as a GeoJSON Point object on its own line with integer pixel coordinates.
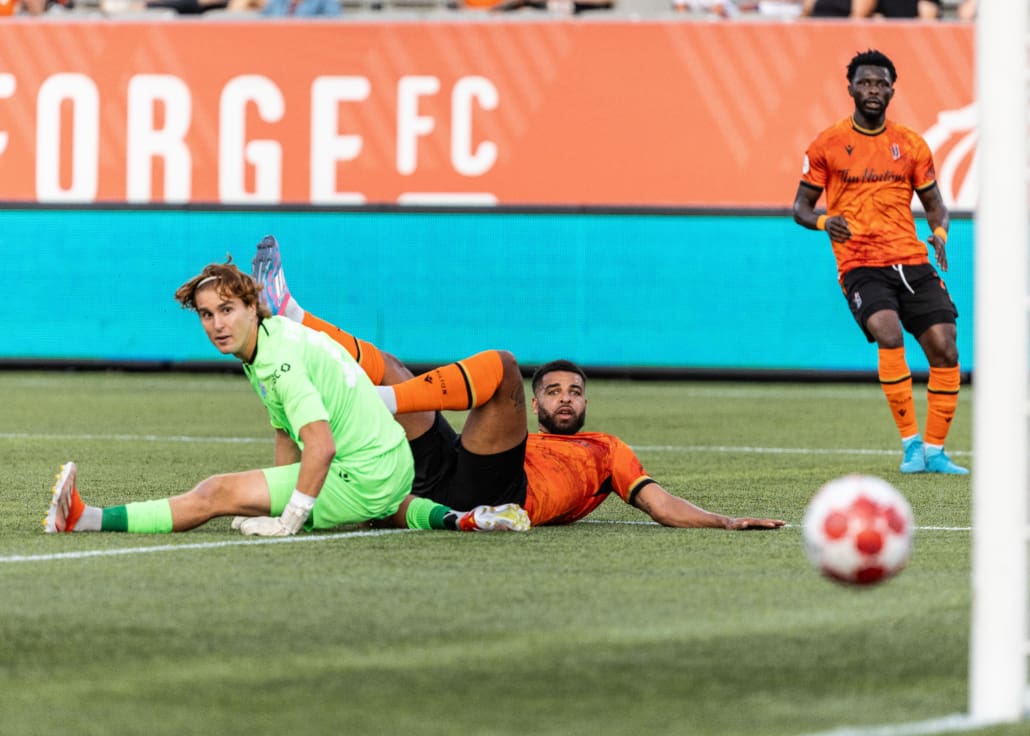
{"type": "Point", "coordinates": [302, 376]}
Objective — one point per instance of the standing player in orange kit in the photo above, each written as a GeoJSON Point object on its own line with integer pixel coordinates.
{"type": "Point", "coordinates": [559, 474]}
{"type": "Point", "coordinates": [870, 167]}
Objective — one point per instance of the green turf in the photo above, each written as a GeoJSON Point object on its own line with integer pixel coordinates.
{"type": "Point", "coordinates": [602, 627]}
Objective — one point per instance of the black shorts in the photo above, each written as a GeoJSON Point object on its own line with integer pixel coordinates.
{"type": "Point", "coordinates": [449, 474]}
{"type": "Point", "coordinates": [916, 293]}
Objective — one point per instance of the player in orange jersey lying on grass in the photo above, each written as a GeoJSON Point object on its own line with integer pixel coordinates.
{"type": "Point", "coordinates": [559, 474]}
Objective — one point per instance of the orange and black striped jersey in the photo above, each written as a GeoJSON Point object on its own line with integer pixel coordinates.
{"type": "Point", "coordinates": [869, 177]}
{"type": "Point", "coordinates": [568, 476]}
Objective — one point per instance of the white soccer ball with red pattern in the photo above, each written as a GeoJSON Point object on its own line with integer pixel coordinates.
{"type": "Point", "coordinates": [858, 529]}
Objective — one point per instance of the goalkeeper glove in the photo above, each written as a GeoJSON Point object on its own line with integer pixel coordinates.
{"type": "Point", "coordinates": [292, 519]}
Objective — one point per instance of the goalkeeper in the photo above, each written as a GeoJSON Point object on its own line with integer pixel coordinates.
{"type": "Point", "coordinates": [339, 456]}
{"type": "Point", "coordinates": [559, 475]}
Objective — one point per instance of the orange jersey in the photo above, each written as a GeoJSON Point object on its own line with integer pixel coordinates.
{"type": "Point", "coordinates": [869, 177]}
{"type": "Point", "coordinates": [570, 475]}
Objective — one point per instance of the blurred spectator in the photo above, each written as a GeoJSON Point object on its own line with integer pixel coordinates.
{"type": "Point", "coordinates": [922, 9]}
{"type": "Point", "coordinates": [779, 9]}
{"type": "Point", "coordinates": [720, 8]}
{"type": "Point", "coordinates": [27, 7]}
{"type": "Point", "coordinates": [188, 7]}
{"type": "Point", "coordinates": [826, 8]}
{"type": "Point", "coordinates": [966, 10]}
{"type": "Point", "coordinates": [287, 8]}
{"type": "Point", "coordinates": [563, 7]}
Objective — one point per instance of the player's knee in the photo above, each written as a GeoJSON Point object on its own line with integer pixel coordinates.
{"type": "Point", "coordinates": [945, 357]}
{"type": "Point", "coordinates": [212, 494]}
{"type": "Point", "coordinates": [511, 377]}
{"type": "Point", "coordinates": [395, 371]}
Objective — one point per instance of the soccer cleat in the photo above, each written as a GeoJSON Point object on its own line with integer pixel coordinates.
{"type": "Point", "coordinates": [507, 518]}
{"type": "Point", "coordinates": [913, 461]}
{"type": "Point", "coordinates": [65, 505]}
{"type": "Point", "coordinates": [267, 270]}
{"type": "Point", "coordinates": [937, 461]}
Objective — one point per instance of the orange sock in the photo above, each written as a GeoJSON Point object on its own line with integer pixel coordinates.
{"type": "Point", "coordinates": [367, 354]}
{"type": "Point", "coordinates": [456, 386]}
{"type": "Point", "coordinates": [941, 400]}
{"type": "Point", "coordinates": [896, 382]}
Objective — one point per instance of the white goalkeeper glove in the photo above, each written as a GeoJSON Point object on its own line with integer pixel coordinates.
{"type": "Point", "coordinates": [292, 519]}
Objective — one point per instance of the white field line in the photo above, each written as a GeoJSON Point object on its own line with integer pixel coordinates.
{"type": "Point", "coordinates": [82, 554]}
{"type": "Point", "coordinates": [740, 449]}
{"type": "Point", "coordinates": [788, 526]}
{"type": "Point", "coordinates": [748, 450]}
{"type": "Point", "coordinates": [948, 724]}
{"type": "Point", "coordinates": [133, 438]}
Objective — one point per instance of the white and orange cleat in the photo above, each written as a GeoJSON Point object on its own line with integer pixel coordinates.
{"type": "Point", "coordinates": [65, 505]}
{"type": "Point", "coordinates": [507, 518]}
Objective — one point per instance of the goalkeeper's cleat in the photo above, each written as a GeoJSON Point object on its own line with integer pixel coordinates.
{"type": "Point", "coordinates": [507, 518]}
{"type": "Point", "coordinates": [65, 504]}
{"type": "Point", "coordinates": [913, 461]}
{"type": "Point", "coordinates": [267, 270]}
{"type": "Point", "coordinates": [937, 461]}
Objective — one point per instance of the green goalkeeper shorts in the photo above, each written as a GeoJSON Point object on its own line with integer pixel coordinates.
{"type": "Point", "coordinates": [347, 498]}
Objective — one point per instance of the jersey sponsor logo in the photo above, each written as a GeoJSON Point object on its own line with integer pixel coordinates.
{"type": "Point", "coordinates": [805, 165]}
{"type": "Point", "coordinates": [869, 176]}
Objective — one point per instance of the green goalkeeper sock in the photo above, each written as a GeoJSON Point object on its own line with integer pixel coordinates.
{"type": "Point", "coordinates": [143, 517]}
{"type": "Point", "coordinates": [425, 514]}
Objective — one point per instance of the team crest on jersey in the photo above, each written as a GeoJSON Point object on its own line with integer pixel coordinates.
{"type": "Point", "coordinates": [895, 151]}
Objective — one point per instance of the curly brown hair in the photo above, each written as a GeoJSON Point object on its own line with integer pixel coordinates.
{"type": "Point", "coordinates": [230, 282]}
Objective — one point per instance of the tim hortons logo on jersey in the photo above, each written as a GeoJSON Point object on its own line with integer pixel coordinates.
{"type": "Point", "coordinates": [869, 176]}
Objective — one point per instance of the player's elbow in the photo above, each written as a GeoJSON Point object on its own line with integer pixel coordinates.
{"type": "Point", "coordinates": [322, 452]}
{"type": "Point", "coordinates": [797, 212]}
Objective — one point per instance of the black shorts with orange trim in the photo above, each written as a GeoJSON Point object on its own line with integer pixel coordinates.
{"type": "Point", "coordinates": [916, 293]}
{"type": "Point", "coordinates": [447, 473]}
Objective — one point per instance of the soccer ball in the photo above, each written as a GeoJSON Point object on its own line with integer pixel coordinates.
{"type": "Point", "coordinates": [858, 529]}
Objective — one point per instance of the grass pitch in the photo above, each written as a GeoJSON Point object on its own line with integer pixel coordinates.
{"type": "Point", "coordinates": [608, 626]}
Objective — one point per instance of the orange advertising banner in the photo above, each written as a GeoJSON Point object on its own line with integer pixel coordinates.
{"type": "Point", "coordinates": [491, 111]}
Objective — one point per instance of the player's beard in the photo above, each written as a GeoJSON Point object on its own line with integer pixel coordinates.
{"type": "Point", "coordinates": [554, 424]}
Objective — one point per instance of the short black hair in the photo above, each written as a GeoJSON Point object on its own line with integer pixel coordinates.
{"type": "Point", "coordinates": [871, 57]}
{"type": "Point", "coordinates": [556, 365]}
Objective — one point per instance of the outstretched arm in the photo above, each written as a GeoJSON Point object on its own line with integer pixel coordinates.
{"type": "Point", "coordinates": [670, 510]}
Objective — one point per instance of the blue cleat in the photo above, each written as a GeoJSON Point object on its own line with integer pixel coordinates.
{"type": "Point", "coordinates": [913, 461]}
{"type": "Point", "coordinates": [937, 461]}
{"type": "Point", "coordinates": [267, 270]}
